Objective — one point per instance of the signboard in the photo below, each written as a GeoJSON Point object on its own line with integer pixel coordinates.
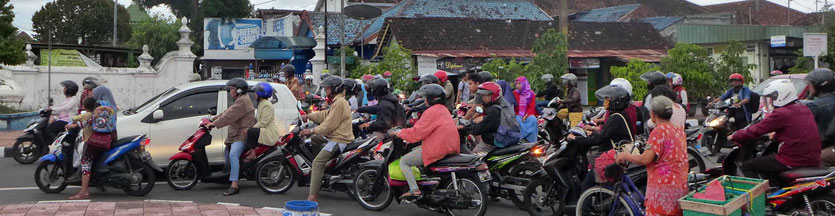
{"type": "Point", "coordinates": [584, 63]}
{"type": "Point", "coordinates": [778, 41]}
{"type": "Point", "coordinates": [453, 64]}
{"type": "Point", "coordinates": [814, 44]}
{"type": "Point", "coordinates": [282, 26]}
{"type": "Point", "coordinates": [62, 57]}
{"type": "Point", "coordinates": [231, 34]}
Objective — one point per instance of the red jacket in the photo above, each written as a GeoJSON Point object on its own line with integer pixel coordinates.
{"type": "Point", "coordinates": [795, 127]}
{"type": "Point", "coordinates": [437, 131]}
{"type": "Point", "coordinates": [530, 110]}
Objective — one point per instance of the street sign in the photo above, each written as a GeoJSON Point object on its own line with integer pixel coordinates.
{"type": "Point", "coordinates": [778, 41]}
{"type": "Point", "coordinates": [814, 44]}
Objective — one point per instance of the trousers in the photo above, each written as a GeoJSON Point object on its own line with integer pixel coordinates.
{"type": "Point", "coordinates": [233, 156]}
{"type": "Point", "coordinates": [414, 158]}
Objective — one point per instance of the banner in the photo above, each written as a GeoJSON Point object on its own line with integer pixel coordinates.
{"type": "Point", "coordinates": [62, 57]}
{"type": "Point", "coordinates": [231, 34]}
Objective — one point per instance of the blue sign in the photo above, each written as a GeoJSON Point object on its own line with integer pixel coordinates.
{"type": "Point", "coordinates": [231, 34]}
{"type": "Point", "coordinates": [778, 41]}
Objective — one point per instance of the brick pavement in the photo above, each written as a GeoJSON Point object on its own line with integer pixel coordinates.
{"type": "Point", "coordinates": [130, 208]}
{"type": "Point", "coordinates": [7, 138]}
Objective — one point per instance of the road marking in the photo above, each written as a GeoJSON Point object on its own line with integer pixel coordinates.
{"type": "Point", "coordinates": [170, 201]}
{"type": "Point", "coordinates": [2, 152]}
{"type": "Point", "coordinates": [28, 188]}
{"type": "Point", "coordinates": [63, 201]}
{"type": "Point", "coordinates": [229, 204]}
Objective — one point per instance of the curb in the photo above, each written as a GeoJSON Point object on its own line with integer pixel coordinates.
{"type": "Point", "coordinates": [4, 151]}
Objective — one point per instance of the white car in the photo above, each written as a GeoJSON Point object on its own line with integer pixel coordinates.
{"type": "Point", "coordinates": [172, 116]}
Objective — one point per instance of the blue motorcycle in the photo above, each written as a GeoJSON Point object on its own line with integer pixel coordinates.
{"type": "Point", "coordinates": [126, 165]}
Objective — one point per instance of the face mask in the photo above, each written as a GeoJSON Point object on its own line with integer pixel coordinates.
{"type": "Point", "coordinates": [606, 104]}
{"type": "Point", "coordinates": [282, 79]}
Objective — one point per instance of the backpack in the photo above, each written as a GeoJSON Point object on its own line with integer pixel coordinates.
{"type": "Point", "coordinates": [509, 132]}
{"type": "Point", "coordinates": [753, 104]}
{"type": "Point", "coordinates": [104, 118]}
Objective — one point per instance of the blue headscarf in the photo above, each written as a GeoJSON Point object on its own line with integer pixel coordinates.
{"type": "Point", "coordinates": [507, 92]}
{"type": "Point", "coordinates": [102, 93]}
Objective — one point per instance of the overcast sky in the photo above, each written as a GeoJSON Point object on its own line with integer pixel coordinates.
{"type": "Point", "coordinates": [24, 9]}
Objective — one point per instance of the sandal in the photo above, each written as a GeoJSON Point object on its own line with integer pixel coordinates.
{"type": "Point", "coordinates": [80, 197]}
{"type": "Point", "coordinates": [411, 193]}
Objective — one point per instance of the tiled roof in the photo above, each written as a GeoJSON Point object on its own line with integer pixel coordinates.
{"type": "Point", "coordinates": [450, 35]}
{"type": "Point", "coordinates": [137, 14]}
{"type": "Point", "coordinates": [660, 23]}
{"type": "Point", "coordinates": [353, 27]}
{"type": "Point", "coordinates": [609, 14]}
{"type": "Point", "coordinates": [661, 7]}
{"type": "Point", "coordinates": [375, 1]}
{"type": "Point", "coordinates": [768, 14]}
{"type": "Point", "coordinates": [812, 19]}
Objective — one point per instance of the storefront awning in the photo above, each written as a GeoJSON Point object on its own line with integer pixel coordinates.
{"type": "Point", "coordinates": [475, 53]}
{"type": "Point", "coordinates": [647, 55]}
{"type": "Point", "coordinates": [271, 42]}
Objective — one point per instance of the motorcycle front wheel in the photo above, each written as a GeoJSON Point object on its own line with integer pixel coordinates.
{"type": "Point", "coordinates": [182, 174]}
{"type": "Point", "coordinates": [521, 171]}
{"type": "Point", "coordinates": [713, 141]}
{"type": "Point", "coordinates": [472, 188]}
{"type": "Point", "coordinates": [536, 194]}
{"type": "Point", "coordinates": [372, 190]}
{"type": "Point", "coordinates": [25, 151]}
{"type": "Point", "coordinates": [275, 176]}
{"type": "Point", "coordinates": [49, 176]}
{"type": "Point", "coordinates": [143, 178]}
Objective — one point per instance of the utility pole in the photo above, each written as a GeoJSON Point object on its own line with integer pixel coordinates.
{"type": "Point", "coordinates": [326, 33]}
{"type": "Point", "coordinates": [49, 70]}
{"type": "Point", "coordinates": [788, 12]}
{"type": "Point", "coordinates": [564, 17]}
{"type": "Point", "coordinates": [342, 39]}
{"type": "Point", "coordinates": [115, 13]}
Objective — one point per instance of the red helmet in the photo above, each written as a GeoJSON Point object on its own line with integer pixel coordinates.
{"type": "Point", "coordinates": [441, 75]}
{"type": "Point", "coordinates": [387, 74]}
{"type": "Point", "coordinates": [367, 77]}
{"type": "Point", "coordinates": [489, 88]}
{"type": "Point", "coordinates": [736, 76]}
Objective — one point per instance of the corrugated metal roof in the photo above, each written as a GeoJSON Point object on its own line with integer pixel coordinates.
{"type": "Point", "coordinates": [353, 27]}
{"type": "Point", "coordinates": [704, 33]}
{"type": "Point", "coordinates": [662, 22]}
{"type": "Point", "coordinates": [608, 14]}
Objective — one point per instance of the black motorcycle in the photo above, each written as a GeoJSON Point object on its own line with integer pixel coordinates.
{"type": "Point", "coordinates": [35, 139]}
{"type": "Point", "coordinates": [718, 127]}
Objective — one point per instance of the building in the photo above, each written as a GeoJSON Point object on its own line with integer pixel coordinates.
{"type": "Point", "coordinates": [663, 7]}
{"type": "Point", "coordinates": [758, 12]}
{"type": "Point", "coordinates": [137, 14]}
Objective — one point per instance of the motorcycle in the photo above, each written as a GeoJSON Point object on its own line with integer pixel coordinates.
{"type": "Point", "coordinates": [455, 185]}
{"type": "Point", "coordinates": [292, 162]}
{"type": "Point", "coordinates": [560, 178]}
{"type": "Point", "coordinates": [35, 139]}
{"type": "Point", "coordinates": [312, 103]}
{"type": "Point", "coordinates": [126, 165]}
{"type": "Point", "coordinates": [718, 125]}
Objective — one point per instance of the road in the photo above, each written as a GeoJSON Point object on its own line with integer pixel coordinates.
{"type": "Point", "coordinates": [17, 186]}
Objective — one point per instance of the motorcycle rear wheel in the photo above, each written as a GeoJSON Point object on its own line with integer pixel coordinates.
{"type": "Point", "coordinates": [49, 176]}
{"type": "Point", "coordinates": [143, 176]}
{"type": "Point", "coordinates": [823, 205]}
{"type": "Point", "coordinates": [534, 194]}
{"type": "Point", "coordinates": [25, 151]}
{"type": "Point", "coordinates": [365, 193]}
{"type": "Point", "coordinates": [475, 189]}
{"type": "Point", "coordinates": [695, 160]}
{"type": "Point", "coordinates": [521, 171]}
{"type": "Point", "coordinates": [182, 174]}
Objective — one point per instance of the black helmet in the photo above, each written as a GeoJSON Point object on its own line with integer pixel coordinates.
{"type": "Point", "coordinates": [654, 78]}
{"type": "Point", "coordinates": [434, 94]}
{"type": "Point", "coordinates": [238, 83]}
{"type": "Point", "coordinates": [324, 76]}
{"type": "Point", "coordinates": [334, 82]}
{"type": "Point", "coordinates": [351, 86]}
{"type": "Point", "coordinates": [71, 87]}
{"type": "Point", "coordinates": [618, 96]}
{"type": "Point", "coordinates": [90, 83]}
{"type": "Point", "coordinates": [485, 76]}
{"type": "Point", "coordinates": [427, 79]}
{"type": "Point", "coordinates": [378, 87]}
{"type": "Point", "coordinates": [288, 68]}
{"type": "Point", "coordinates": [822, 79]}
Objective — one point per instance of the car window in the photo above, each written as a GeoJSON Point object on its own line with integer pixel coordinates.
{"type": "Point", "coordinates": [192, 105]}
{"type": "Point", "coordinates": [799, 84]}
{"type": "Point", "coordinates": [145, 105]}
{"type": "Point", "coordinates": [252, 97]}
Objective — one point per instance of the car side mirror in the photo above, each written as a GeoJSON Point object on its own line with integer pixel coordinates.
{"type": "Point", "coordinates": [213, 111]}
{"type": "Point", "coordinates": [158, 115]}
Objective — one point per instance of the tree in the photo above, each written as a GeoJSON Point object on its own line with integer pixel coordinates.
{"type": "Point", "coordinates": [90, 20]}
{"type": "Point", "coordinates": [11, 47]}
{"type": "Point", "coordinates": [509, 70]}
{"type": "Point", "coordinates": [159, 33]}
{"type": "Point", "coordinates": [396, 59]}
{"type": "Point", "coordinates": [350, 53]}
{"type": "Point", "coordinates": [632, 72]}
{"type": "Point", "coordinates": [729, 63]}
{"type": "Point", "coordinates": [551, 51]}
{"type": "Point", "coordinates": [694, 64]}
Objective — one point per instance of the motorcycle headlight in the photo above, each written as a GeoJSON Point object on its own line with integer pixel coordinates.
{"type": "Point", "coordinates": [717, 121]}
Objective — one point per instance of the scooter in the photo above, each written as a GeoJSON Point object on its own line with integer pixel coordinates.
{"type": "Point", "coordinates": [35, 139]}
{"type": "Point", "coordinates": [292, 163]}
{"type": "Point", "coordinates": [191, 164]}
{"type": "Point", "coordinates": [718, 125]}
{"type": "Point", "coordinates": [127, 166]}
{"type": "Point", "coordinates": [456, 185]}
{"type": "Point", "coordinates": [312, 103]}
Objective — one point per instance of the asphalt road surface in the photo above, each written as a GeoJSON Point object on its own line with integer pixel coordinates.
{"type": "Point", "coordinates": [17, 186]}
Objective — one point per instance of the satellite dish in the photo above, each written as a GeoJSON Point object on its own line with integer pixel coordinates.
{"type": "Point", "coordinates": [362, 11]}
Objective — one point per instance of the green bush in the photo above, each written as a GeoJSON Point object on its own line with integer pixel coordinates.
{"type": "Point", "coordinates": [632, 73]}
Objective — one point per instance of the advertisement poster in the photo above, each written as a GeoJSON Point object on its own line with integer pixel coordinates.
{"type": "Point", "coordinates": [281, 27]}
{"type": "Point", "coordinates": [62, 57]}
{"type": "Point", "coordinates": [231, 34]}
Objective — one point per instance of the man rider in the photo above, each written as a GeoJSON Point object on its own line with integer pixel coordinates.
{"type": "Point", "coordinates": [552, 90]}
{"type": "Point", "coordinates": [570, 107]}
{"type": "Point", "coordinates": [334, 126]}
{"type": "Point", "coordinates": [418, 104]}
{"type": "Point", "coordinates": [388, 110]}
{"type": "Point", "coordinates": [821, 83]}
{"type": "Point", "coordinates": [449, 90]}
{"type": "Point", "coordinates": [308, 87]}
{"type": "Point", "coordinates": [239, 117]}
{"type": "Point", "coordinates": [739, 95]}
{"type": "Point", "coordinates": [489, 95]}
{"type": "Point", "coordinates": [794, 127]}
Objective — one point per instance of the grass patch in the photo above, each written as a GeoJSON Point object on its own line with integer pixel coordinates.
{"type": "Point", "coordinates": [8, 110]}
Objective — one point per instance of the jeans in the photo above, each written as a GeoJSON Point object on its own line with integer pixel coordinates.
{"type": "Point", "coordinates": [414, 158]}
{"type": "Point", "coordinates": [233, 156]}
{"type": "Point", "coordinates": [541, 105]}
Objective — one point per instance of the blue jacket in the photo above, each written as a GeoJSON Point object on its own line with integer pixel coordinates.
{"type": "Point", "coordinates": [744, 93]}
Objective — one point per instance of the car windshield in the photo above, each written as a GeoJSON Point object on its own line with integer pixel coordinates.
{"type": "Point", "coordinates": [145, 105]}
{"type": "Point", "coordinates": [798, 84]}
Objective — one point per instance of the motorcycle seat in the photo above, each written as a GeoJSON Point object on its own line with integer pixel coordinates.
{"type": "Point", "coordinates": [797, 173]}
{"type": "Point", "coordinates": [355, 144]}
{"type": "Point", "coordinates": [513, 149]}
{"type": "Point", "coordinates": [123, 141]}
{"type": "Point", "coordinates": [456, 160]}
{"type": "Point", "coordinates": [691, 131]}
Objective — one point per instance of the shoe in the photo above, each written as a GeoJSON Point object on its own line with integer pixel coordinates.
{"type": "Point", "coordinates": [232, 191]}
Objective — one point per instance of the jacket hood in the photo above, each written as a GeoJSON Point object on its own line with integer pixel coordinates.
{"type": "Point", "coordinates": [389, 97]}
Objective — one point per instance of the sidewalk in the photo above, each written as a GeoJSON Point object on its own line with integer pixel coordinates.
{"type": "Point", "coordinates": [131, 208]}
{"type": "Point", "coordinates": [7, 138]}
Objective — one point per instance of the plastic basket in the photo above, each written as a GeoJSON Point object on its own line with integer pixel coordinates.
{"type": "Point", "coordinates": [742, 195]}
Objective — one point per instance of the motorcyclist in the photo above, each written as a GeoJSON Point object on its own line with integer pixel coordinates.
{"type": "Point", "coordinates": [615, 99]}
{"type": "Point", "coordinates": [653, 79]}
{"type": "Point", "coordinates": [489, 95]}
{"type": "Point", "coordinates": [435, 129]}
{"type": "Point", "coordinates": [387, 75]}
{"type": "Point", "coordinates": [417, 104]}
{"type": "Point", "coordinates": [65, 110]}
{"type": "Point", "coordinates": [551, 91]}
{"type": "Point", "coordinates": [309, 87]}
{"type": "Point", "coordinates": [739, 95]}
{"type": "Point", "coordinates": [794, 127]}
{"type": "Point", "coordinates": [677, 83]}
{"type": "Point", "coordinates": [570, 107]}
{"type": "Point", "coordinates": [448, 89]}
{"type": "Point", "coordinates": [389, 112]}
{"type": "Point", "coordinates": [289, 73]}
{"type": "Point", "coordinates": [239, 117]}
{"type": "Point", "coordinates": [334, 130]}
{"type": "Point", "coordinates": [352, 92]}
{"type": "Point", "coordinates": [631, 110]}
{"type": "Point", "coordinates": [89, 83]}
{"type": "Point", "coordinates": [821, 84]}
{"type": "Point", "coordinates": [265, 131]}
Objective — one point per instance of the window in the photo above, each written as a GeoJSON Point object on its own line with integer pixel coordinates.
{"type": "Point", "coordinates": [252, 97]}
{"type": "Point", "coordinates": [192, 105]}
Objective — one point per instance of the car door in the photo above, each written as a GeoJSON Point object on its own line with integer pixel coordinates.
{"type": "Point", "coordinates": [181, 116]}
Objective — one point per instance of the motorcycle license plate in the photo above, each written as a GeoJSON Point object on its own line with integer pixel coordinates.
{"type": "Point", "coordinates": [145, 156]}
{"type": "Point", "coordinates": [484, 176]}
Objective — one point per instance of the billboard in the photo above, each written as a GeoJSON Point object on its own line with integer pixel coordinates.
{"type": "Point", "coordinates": [231, 34]}
{"type": "Point", "coordinates": [62, 57]}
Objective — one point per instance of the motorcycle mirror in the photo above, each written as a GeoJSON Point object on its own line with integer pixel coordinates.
{"type": "Point", "coordinates": [158, 115]}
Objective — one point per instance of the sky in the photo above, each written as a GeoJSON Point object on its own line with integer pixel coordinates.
{"type": "Point", "coordinates": [24, 9]}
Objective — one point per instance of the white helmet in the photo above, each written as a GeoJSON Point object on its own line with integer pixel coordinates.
{"type": "Point", "coordinates": [623, 83]}
{"type": "Point", "coordinates": [781, 92]}
{"type": "Point", "coordinates": [569, 78]}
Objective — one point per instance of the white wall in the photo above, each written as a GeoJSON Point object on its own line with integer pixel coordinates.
{"type": "Point", "coordinates": [427, 65]}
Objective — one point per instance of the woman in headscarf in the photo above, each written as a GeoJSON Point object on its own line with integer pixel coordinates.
{"type": "Point", "coordinates": [525, 98]}
{"type": "Point", "coordinates": [507, 92]}
{"type": "Point", "coordinates": [102, 93]}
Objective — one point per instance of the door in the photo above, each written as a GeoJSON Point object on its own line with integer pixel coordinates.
{"type": "Point", "coordinates": [181, 117]}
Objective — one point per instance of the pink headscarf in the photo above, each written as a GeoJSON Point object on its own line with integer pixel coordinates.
{"type": "Point", "coordinates": [525, 94]}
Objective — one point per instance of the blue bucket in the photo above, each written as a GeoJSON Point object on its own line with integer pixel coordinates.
{"type": "Point", "coordinates": [301, 208]}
